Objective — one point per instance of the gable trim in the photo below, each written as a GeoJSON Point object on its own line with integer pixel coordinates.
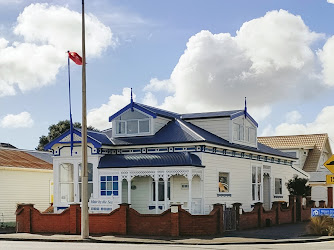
{"type": "Point", "coordinates": [247, 115]}
{"type": "Point", "coordinates": [131, 106]}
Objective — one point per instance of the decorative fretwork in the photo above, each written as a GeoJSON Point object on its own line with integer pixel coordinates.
{"type": "Point", "coordinates": [68, 138]}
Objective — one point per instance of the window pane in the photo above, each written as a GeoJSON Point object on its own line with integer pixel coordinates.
{"type": "Point", "coordinates": [259, 179]}
{"type": "Point", "coordinates": [66, 193]}
{"type": "Point", "coordinates": [278, 186]}
{"type": "Point", "coordinates": [120, 127]}
{"type": "Point", "coordinates": [66, 172]}
{"type": "Point", "coordinates": [103, 186]}
{"type": "Point", "coordinates": [103, 178]}
{"type": "Point", "coordinates": [253, 192]}
{"type": "Point", "coordinates": [115, 186]}
{"type": "Point", "coordinates": [259, 192]}
{"type": "Point", "coordinates": [161, 194]}
{"type": "Point", "coordinates": [253, 174]}
{"type": "Point", "coordinates": [144, 126]}
{"type": "Point", "coordinates": [223, 182]}
{"type": "Point", "coordinates": [90, 172]}
{"type": "Point", "coordinates": [132, 127]}
{"type": "Point", "coordinates": [109, 185]}
{"type": "Point", "coordinates": [115, 178]}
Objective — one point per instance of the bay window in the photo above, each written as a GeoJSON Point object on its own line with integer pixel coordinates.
{"type": "Point", "coordinates": [256, 183]}
{"type": "Point", "coordinates": [66, 182]}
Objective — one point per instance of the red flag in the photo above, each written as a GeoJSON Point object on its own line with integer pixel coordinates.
{"type": "Point", "coordinates": [75, 57]}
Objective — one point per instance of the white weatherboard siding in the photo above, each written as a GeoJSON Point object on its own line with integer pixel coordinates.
{"type": "Point", "coordinates": [240, 180]}
{"type": "Point", "coordinates": [22, 185]}
{"type": "Point", "coordinates": [217, 126]}
{"type": "Point", "coordinates": [319, 193]}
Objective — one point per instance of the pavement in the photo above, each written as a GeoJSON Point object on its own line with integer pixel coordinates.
{"type": "Point", "coordinates": [289, 233]}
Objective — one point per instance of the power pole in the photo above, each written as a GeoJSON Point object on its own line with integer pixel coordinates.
{"type": "Point", "coordinates": [84, 199]}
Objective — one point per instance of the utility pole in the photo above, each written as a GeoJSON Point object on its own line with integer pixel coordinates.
{"type": "Point", "coordinates": [84, 172]}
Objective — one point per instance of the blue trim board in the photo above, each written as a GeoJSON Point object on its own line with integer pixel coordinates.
{"type": "Point", "coordinates": [130, 106]}
{"type": "Point", "coordinates": [90, 139]}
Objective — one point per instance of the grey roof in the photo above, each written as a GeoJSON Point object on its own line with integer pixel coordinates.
{"type": "Point", "coordinates": [210, 114]}
{"type": "Point", "coordinates": [150, 160]}
{"type": "Point", "coordinates": [319, 176]}
{"type": "Point", "coordinates": [45, 156]}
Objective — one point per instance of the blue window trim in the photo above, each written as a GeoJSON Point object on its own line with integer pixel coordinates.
{"type": "Point", "coordinates": [113, 179]}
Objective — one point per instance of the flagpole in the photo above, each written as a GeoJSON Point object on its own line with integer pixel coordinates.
{"type": "Point", "coordinates": [84, 200]}
{"type": "Point", "coordinates": [69, 99]}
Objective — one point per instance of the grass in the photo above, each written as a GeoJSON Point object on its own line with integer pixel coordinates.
{"type": "Point", "coordinates": [321, 225]}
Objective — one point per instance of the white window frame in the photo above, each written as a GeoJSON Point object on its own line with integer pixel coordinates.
{"type": "Point", "coordinates": [152, 199]}
{"type": "Point", "coordinates": [257, 185]}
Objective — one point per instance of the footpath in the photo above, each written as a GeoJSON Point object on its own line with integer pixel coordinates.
{"type": "Point", "coordinates": [289, 233]}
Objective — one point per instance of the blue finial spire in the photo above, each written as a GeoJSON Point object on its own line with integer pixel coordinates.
{"type": "Point", "coordinates": [131, 101]}
{"type": "Point", "coordinates": [245, 107]}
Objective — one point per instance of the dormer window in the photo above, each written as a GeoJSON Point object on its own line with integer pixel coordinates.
{"type": "Point", "coordinates": [244, 131]}
{"type": "Point", "coordinates": [132, 123]}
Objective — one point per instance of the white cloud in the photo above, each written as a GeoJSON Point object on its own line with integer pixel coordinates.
{"type": "Point", "coordinates": [293, 117]}
{"type": "Point", "coordinates": [48, 32]}
{"type": "Point", "coordinates": [98, 117]}
{"type": "Point", "coordinates": [322, 124]}
{"type": "Point", "coordinates": [270, 59]}
{"type": "Point", "coordinates": [330, 1]}
{"type": "Point", "coordinates": [22, 120]}
{"type": "Point", "coordinates": [327, 60]}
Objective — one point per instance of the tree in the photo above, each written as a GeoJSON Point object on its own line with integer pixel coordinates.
{"type": "Point", "coordinates": [56, 130]}
{"type": "Point", "coordinates": [298, 186]}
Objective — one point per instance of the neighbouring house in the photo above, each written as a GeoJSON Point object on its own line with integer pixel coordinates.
{"type": "Point", "coordinates": [24, 178]}
{"type": "Point", "coordinates": [312, 151]}
{"type": "Point", "coordinates": [152, 158]}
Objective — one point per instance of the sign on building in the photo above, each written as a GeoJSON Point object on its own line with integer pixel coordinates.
{"type": "Point", "coordinates": [322, 212]}
{"type": "Point", "coordinates": [100, 205]}
{"type": "Point", "coordinates": [330, 179]}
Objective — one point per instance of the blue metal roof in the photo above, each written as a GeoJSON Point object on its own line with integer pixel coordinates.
{"type": "Point", "coordinates": [150, 160]}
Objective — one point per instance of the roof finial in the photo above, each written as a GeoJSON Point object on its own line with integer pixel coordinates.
{"type": "Point", "coordinates": [131, 101]}
{"type": "Point", "coordinates": [245, 107]}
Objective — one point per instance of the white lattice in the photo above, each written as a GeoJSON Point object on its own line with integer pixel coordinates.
{"type": "Point", "coordinates": [184, 173]}
{"type": "Point", "coordinates": [199, 173]}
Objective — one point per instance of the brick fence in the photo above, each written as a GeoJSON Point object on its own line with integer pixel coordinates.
{"type": "Point", "coordinates": [172, 222]}
{"type": "Point", "coordinates": [279, 213]}
{"type": "Point", "coordinates": [121, 221]}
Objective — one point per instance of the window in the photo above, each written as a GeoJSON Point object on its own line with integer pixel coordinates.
{"type": "Point", "coordinates": [278, 186]}
{"type": "Point", "coordinates": [256, 183]}
{"type": "Point", "coordinates": [161, 190]}
{"type": "Point", "coordinates": [238, 132]}
{"type": "Point", "coordinates": [66, 182]}
{"type": "Point", "coordinates": [250, 135]}
{"type": "Point", "coordinates": [109, 185]}
{"type": "Point", "coordinates": [132, 123]}
{"type": "Point", "coordinates": [90, 180]}
{"type": "Point", "coordinates": [223, 182]}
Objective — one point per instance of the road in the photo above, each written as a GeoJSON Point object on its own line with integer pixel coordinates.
{"type": "Point", "coordinates": [29, 245]}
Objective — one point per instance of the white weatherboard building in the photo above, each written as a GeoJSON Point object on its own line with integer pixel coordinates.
{"type": "Point", "coordinates": [152, 158]}
{"type": "Point", "coordinates": [24, 178]}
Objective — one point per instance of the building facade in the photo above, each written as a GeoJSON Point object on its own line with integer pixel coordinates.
{"type": "Point", "coordinates": [312, 151]}
{"type": "Point", "coordinates": [152, 158]}
{"type": "Point", "coordinates": [23, 179]}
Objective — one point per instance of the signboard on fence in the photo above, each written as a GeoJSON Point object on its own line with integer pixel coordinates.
{"type": "Point", "coordinates": [100, 205]}
{"type": "Point", "coordinates": [322, 212]}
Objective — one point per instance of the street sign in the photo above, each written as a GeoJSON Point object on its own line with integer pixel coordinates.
{"type": "Point", "coordinates": [322, 212]}
{"type": "Point", "coordinates": [330, 179]}
{"type": "Point", "coordinates": [329, 164]}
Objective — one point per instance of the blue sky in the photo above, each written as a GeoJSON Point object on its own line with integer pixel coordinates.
{"type": "Point", "coordinates": [184, 56]}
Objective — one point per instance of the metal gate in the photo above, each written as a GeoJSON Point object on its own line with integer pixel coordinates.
{"type": "Point", "coordinates": [230, 222]}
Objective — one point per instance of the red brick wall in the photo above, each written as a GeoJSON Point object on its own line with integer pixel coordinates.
{"type": "Point", "coordinates": [199, 224]}
{"type": "Point", "coordinates": [149, 224]}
